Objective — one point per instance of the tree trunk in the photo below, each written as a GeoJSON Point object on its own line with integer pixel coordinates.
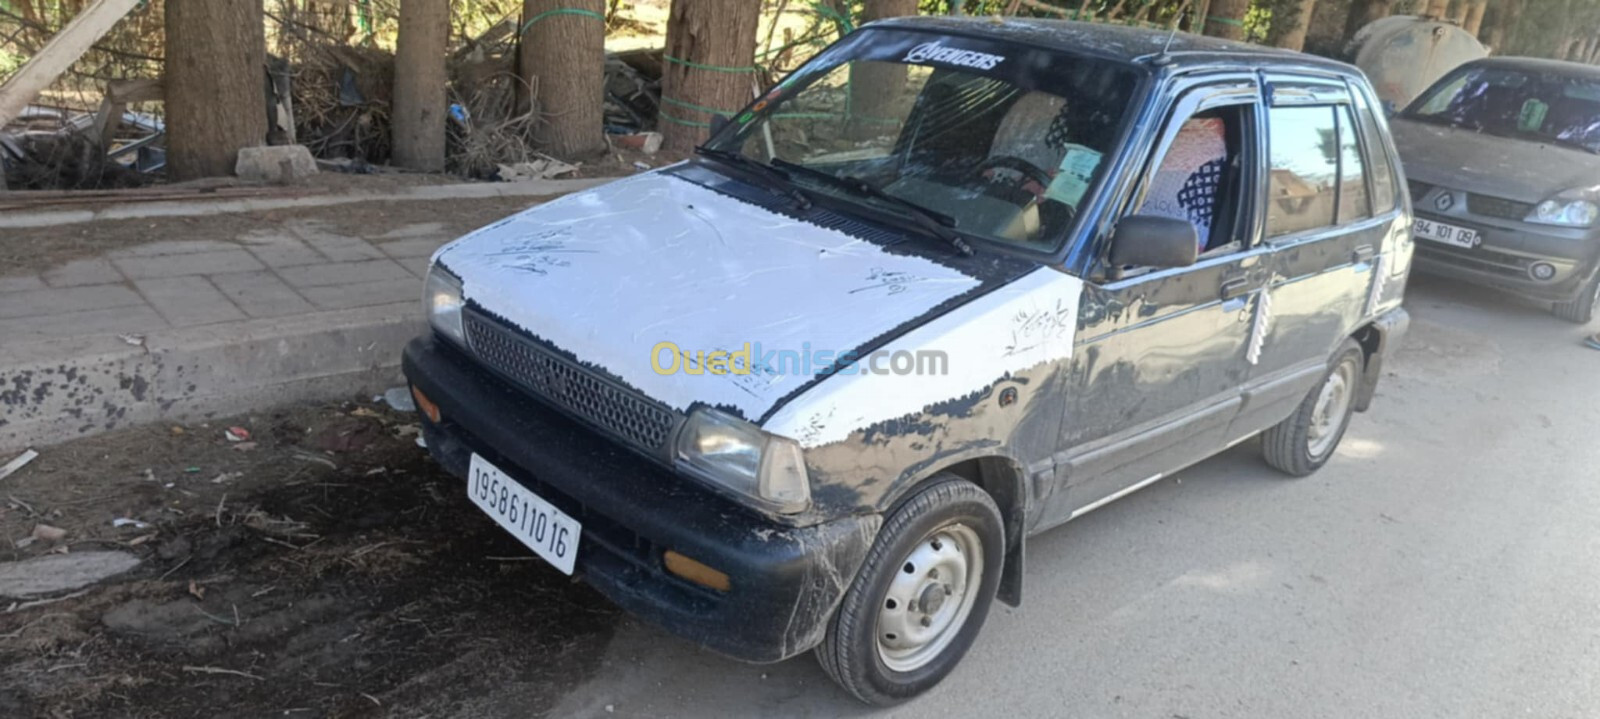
{"type": "Point", "coordinates": [876, 88]}
{"type": "Point", "coordinates": [1362, 13]}
{"type": "Point", "coordinates": [563, 58]}
{"type": "Point", "coordinates": [215, 84]}
{"type": "Point", "coordinates": [1437, 9]}
{"type": "Point", "coordinates": [719, 38]}
{"type": "Point", "coordinates": [1473, 22]}
{"type": "Point", "coordinates": [1226, 19]}
{"type": "Point", "coordinates": [1499, 34]}
{"type": "Point", "coordinates": [1293, 37]}
{"type": "Point", "coordinates": [419, 85]}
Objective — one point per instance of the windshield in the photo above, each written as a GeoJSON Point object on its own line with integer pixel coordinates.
{"type": "Point", "coordinates": [1532, 105]}
{"type": "Point", "coordinates": [998, 141]}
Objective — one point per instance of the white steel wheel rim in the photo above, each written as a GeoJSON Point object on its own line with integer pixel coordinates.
{"type": "Point", "coordinates": [933, 591]}
{"type": "Point", "coordinates": [1328, 417]}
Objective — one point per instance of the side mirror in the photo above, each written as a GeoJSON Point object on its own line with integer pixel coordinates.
{"type": "Point", "coordinates": [718, 122]}
{"type": "Point", "coordinates": [1150, 241]}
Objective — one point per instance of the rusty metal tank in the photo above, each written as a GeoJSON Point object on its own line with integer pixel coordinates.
{"type": "Point", "coordinates": [1404, 54]}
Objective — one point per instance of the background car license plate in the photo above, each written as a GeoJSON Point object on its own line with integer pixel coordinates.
{"type": "Point", "coordinates": [1441, 232]}
{"type": "Point", "coordinates": [548, 531]}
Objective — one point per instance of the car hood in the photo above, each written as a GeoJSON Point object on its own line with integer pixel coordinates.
{"type": "Point", "coordinates": [1462, 159]}
{"type": "Point", "coordinates": [609, 274]}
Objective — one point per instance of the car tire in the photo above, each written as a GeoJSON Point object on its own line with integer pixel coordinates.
{"type": "Point", "coordinates": [1306, 440]}
{"type": "Point", "coordinates": [1582, 310]}
{"type": "Point", "coordinates": [902, 626]}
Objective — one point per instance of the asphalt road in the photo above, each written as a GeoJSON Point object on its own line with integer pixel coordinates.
{"type": "Point", "coordinates": [1445, 564]}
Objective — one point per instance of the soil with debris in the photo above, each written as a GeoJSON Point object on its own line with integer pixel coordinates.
{"type": "Point", "coordinates": [321, 566]}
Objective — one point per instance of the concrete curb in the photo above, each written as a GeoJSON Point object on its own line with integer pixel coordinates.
{"type": "Point", "coordinates": [202, 207]}
{"type": "Point", "coordinates": [55, 390]}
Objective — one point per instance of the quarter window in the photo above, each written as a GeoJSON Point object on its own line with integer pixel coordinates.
{"type": "Point", "coordinates": [1378, 160]}
{"type": "Point", "coordinates": [1304, 169]}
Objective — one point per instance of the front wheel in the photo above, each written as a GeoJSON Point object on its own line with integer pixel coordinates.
{"type": "Point", "coordinates": [1582, 310]}
{"type": "Point", "coordinates": [921, 596]}
{"type": "Point", "coordinates": [1303, 443]}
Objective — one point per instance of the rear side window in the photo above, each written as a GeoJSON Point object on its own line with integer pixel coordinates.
{"type": "Point", "coordinates": [1353, 202]}
{"type": "Point", "coordinates": [1378, 159]}
{"type": "Point", "coordinates": [1304, 149]}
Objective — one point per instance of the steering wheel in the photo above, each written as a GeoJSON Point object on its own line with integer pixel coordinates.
{"type": "Point", "coordinates": [1010, 162]}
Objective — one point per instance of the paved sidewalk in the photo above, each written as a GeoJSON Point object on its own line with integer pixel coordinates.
{"type": "Point", "coordinates": [222, 314]}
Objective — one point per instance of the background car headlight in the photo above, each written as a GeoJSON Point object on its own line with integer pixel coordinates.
{"type": "Point", "coordinates": [441, 300]}
{"type": "Point", "coordinates": [738, 456]}
{"type": "Point", "coordinates": [1568, 209]}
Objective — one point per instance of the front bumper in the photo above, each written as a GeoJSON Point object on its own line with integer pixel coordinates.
{"type": "Point", "coordinates": [1508, 249]}
{"type": "Point", "coordinates": [785, 581]}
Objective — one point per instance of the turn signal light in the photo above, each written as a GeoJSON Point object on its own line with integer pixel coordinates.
{"type": "Point", "coordinates": [429, 409]}
{"type": "Point", "coordinates": [695, 572]}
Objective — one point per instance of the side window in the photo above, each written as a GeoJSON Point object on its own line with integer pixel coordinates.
{"type": "Point", "coordinates": [1383, 183]}
{"type": "Point", "coordinates": [1353, 202]}
{"type": "Point", "coordinates": [1304, 167]}
{"type": "Point", "coordinates": [1199, 177]}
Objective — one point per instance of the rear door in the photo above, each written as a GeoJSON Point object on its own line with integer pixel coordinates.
{"type": "Point", "coordinates": [1160, 362]}
{"type": "Point", "coordinates": [1326, 227]}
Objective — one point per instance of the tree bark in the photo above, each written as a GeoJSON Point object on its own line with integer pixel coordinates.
{"type": "Point", "coordinates": [419, 84]}
{"type": "Point", "coordinates": [1473, 21]}
{"type": "Point", "coordinates": [1226, 19]}
{"type": "Point", "coordinates": [1437, 9]}
{"type": "Point", "coordinates": [563, 58]}
{"type": "Point", "coordinates": [876, 88]}
{"type": "Point", "coordinates": [719, 38]}
{"type": "Point", "coordinates": [1363, 12]}
{"type": "Point", "coordinates": [215, 85]}
{"type": "Point", "coordinates": [1294, 36]}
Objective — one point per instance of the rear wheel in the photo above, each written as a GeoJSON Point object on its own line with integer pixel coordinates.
{"type": "Point", "coordinates": [1583, 309]}
{"type": "Point", "coordinates": [1303, 443]}
{"type": "Point", "coordinates": [921, 596]}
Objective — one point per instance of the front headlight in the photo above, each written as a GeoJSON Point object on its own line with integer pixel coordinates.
{"type": "Point", "coordinates": [1574, 208]}
{"type": "Point", "coordinates": [441, 300]}
{"type": "Point", "coordinates": [738, 456]}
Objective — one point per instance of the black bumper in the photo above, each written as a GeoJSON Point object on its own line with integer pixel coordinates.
{"type": "Point", "coordinates": [1389, 331]}
{"type": "Point", "coordinates": [785, 581]}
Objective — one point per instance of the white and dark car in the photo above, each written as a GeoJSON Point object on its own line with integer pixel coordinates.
{"type": "Point", "coordinates": [814, 389]}
{"type": "Point", "coordinates": [1503, 159]}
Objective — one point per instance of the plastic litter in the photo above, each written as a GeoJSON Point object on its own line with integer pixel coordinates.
{"type": "Point", "coordinates": [237, 434]}
{"type": "Point", "coordinates": [120, 522]}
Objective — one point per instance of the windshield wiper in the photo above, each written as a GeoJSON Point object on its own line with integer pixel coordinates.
{"type": "Point", "coordinates": [775, 179]}
{"type": "Point", "coordinates": [933, 222]}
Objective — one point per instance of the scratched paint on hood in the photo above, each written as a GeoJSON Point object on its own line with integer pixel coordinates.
{"type": "Point", "coordinates": [609, 273]}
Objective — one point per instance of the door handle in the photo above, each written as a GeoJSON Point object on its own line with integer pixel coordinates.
{"type": "Point", "coordinates": [1234, 288]}
{"type": "Point", "coordinates": [1364, 254]}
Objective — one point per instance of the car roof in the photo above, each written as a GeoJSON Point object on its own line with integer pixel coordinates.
{"type": "Point", "coordinates": [1118, 42]}
{"type": "Point", "coordinates": [1539, 64]}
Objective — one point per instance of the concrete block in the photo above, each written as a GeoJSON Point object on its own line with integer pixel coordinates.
{"type": "Point", "coordinates": [43, 305]}
{"type": "Point", "coordinates": [128, 319]}
{"type": "Point", "coordinates": [93, 271]}
{"type": "Point", "coordinates": [365, 294]}
{"type": "Point", "coordinates": [19, 283]}
{"type": "Point", "coordinates": [282, 164]}
{"type": "Point", "coordinates": [199, 263]}
{"type": "Point", "coordinates": [261, 294]}
{"type": "Point", "coordinates": [280, 249]}
{"type": "Point", "coordinates": [344, 273]}
{"type": "Point", "coordinates": [188, 301]}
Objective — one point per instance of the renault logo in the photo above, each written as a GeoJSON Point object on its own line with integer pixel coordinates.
{"type": "Point", "coordinates": [1444, 201]}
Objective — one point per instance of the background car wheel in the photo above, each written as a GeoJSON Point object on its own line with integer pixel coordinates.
{"type": "Point", "coordinates": [1303, 443]}
{"type": "Point", "coordinates": [921, 596]}
{"type": "Point", "coordinates": [1583, 309]}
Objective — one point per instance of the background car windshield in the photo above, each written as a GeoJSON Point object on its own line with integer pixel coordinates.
{"type": "Point", "coordinates": [1005, 142]}
{"type": "Point", "coordinates": [1516, 103]}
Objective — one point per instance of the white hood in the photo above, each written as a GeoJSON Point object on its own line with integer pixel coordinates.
{"type": "Point", "coordinates": [609, 273]}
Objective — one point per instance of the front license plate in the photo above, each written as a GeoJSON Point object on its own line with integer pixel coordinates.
{"type": "Point", "coordinates": [548, 531]}
{"type": "Point", "coordinates": [1441, 232]}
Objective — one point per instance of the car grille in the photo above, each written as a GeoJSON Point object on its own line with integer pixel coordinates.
{"type": "Point", "coordinates": [1490, 206]}
{"type": "Point", "coordinates": [1418, 189]}
{"type": "Point", "coordinates": [570, 387]}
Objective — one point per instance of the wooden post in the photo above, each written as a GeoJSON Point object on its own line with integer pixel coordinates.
{"type": "Point", "coordinates": [64, 49]}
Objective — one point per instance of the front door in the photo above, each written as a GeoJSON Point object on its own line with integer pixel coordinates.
{"type": "Point", "coordinates": [1161, 355]}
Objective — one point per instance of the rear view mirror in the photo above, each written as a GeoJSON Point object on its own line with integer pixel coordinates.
{"type": "Point", "coordinates": [1150, 241]}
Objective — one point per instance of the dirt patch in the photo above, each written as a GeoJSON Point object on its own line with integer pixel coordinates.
{"type": "Point", "coordinates": [38, 249]}
{"type": "Point", "coordinates": [327, 569]}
